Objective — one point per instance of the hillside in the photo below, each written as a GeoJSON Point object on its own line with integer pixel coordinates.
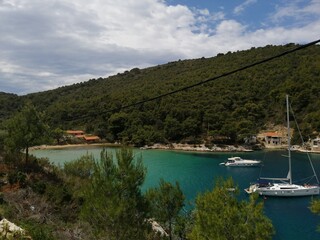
{"type": "Point", "coordinates": [8, 103]}
{"type": "Point", "coordinates": [229, 108]}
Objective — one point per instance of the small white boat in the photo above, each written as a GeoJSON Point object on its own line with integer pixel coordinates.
{"type": "Point", "coordinates": [239, 162]}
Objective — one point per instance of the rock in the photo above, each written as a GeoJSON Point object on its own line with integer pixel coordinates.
{"type": "Point", "coordinates": [9, 230]}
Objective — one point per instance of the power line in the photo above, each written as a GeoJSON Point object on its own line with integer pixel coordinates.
{"type": "Point", "coordinates": [211, 79]}
{"type": "Point", "coordinates": [220, 76]}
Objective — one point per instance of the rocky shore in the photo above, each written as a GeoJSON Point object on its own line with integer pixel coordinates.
{"type": "Point", "coordinates": [198, 147]}
{"type": "Point", "coordinates": [178, 147]}
{"type": "Point", "coordinates": [171, 146]}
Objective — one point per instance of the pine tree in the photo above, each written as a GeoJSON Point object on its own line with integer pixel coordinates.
{"type": "Point", "coordinates": [315, 208]}
{"type": "Point", "coordinates": [26, 129]}
{"type": "Point", "coordinates": [219, 215]}
{"type": "Point", "coordinates": [113, 202]}
{"type": "Point", "coordinates": [166, 202]}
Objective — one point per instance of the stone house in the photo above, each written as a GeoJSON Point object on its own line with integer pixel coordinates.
{"type": "Point", "coordinates": [315, 144]}
{"type": "Point", "coordinates": [273, 139]}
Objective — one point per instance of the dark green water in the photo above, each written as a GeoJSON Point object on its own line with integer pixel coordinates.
{"type": "Point", "coordinates": [196, 173]}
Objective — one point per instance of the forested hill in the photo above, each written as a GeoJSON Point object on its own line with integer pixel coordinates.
{"type": "Point", "coordinates": [230, 108]}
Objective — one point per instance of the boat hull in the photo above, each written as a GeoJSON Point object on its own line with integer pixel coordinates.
{"type": "Point", "coordinates": [243, 164]}
{"type": "Point", "coordinates": [284, 190]}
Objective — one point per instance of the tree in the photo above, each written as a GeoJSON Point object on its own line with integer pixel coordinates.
{"type": "Point", "coordinates": [3, 136]}
{"type": "Point", "coordinates": [57, 134]}
{"type": "Point", "coordinates": [219, 215]}
{"type": "Point", "coordinates": [172, 128]}
{"type": "Point", "coordinates": [315, 208]}
{"type": "Point", "coordinates": [166, 202]}
{"type": "Point", "coordinates": [117, 124]}
{"type": "Point", "coordinates": [113, 202]}
{"type": "Point", "coordinates": [25, 129]}
{"type": "Point", "coordinates": [78, 172]}
{"type": "Point", "coordinates": [191, 127]}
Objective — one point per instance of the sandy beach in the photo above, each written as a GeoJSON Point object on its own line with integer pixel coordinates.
{"type": "Point", "coordinates": [76, 146]}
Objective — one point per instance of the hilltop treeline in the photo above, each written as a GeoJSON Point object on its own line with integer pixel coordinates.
{"type": "Point", "coordinates": [229, 108]}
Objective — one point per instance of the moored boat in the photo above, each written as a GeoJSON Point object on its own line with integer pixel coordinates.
{"type": "Point", "coordinates": [284, 187]}
{"type": "Point", "coordinates": [239, 162]}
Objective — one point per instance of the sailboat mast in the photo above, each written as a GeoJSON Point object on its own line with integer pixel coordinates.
{"type": "Point", "coordinates": [289, 139]}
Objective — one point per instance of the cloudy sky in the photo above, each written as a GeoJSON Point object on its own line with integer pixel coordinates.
{"type": "Point", "coordinates": [45, 44]}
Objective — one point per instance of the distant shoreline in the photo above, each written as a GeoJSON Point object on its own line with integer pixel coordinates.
{"type": "Point", "coordinates": [44, 147]}
{"type": "Point", "coordinates": [172, 146]}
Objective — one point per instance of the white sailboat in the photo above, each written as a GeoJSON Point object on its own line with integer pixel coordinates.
{"type": "Point", "coordinates": [283, 187]}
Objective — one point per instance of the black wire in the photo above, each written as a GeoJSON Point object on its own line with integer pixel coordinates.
{"type": "Point", "coordinates": [207, 80]}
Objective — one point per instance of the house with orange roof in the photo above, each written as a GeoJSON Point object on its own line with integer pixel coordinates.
{"type": "Point", "coordinates": [272, 138]}
{"type": "Point", "coordinates": [75, 132]}
{"type": "Point", "coordinates": [80, 135]}
{"type": "Point", "coordinates": [92, 138]}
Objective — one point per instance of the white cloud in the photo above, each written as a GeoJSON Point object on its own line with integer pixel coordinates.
{"type": "Point", "coordinates": [240, 8]}
{"type": "Point", "coordinates": [230, 28]}
{"type": "Point", "coordinates": [281, 35]}
{"type": "Point", "coordinates": [296, 11]}
{"type": "Point", "coordinates": [45, 44]}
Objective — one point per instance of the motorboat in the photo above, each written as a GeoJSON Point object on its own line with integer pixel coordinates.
{"type": "Point", "coordinates": [239, 162]}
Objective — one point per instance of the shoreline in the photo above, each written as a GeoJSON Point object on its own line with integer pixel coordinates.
{"type": "Point", "coordinates": [78, 145]}
{"type": "Point", "coordinates": [172, 146]}
{"type": "Point", "coordinates": [197, 148]}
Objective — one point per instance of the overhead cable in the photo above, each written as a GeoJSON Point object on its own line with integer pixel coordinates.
{"type": "Point", "coordinates": [213, 78]}
{"type": "Point", "coordinates": [219, 76]}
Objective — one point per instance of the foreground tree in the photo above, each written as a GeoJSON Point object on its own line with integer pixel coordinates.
{"type": "Point", "coordinates": [219, 215]}
{"type": "Point", "coordinates": [166, 203]}
{"type": "Point", "coordinates": [25, 129]}
{"type": "Point", "coordinates": [113, 202]}
{"type": "Point", "coordinates": [315, 208]}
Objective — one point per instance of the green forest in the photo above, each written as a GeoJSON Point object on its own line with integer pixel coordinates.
{"type": "Point", "coordinates": [227, 109]}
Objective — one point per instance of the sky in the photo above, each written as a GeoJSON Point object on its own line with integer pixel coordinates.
{"type": "Point", "coordinates": [45, 44]}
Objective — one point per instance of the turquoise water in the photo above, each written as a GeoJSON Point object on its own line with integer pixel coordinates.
{"type": "Point", "coordinates": [196, 173]}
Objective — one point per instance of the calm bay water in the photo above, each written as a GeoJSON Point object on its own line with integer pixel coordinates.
{"type": "Point", "coordinates": [196, 173]}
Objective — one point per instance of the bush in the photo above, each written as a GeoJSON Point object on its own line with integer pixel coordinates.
{"type": "Point", "coordinates": [39, 187]}
{"type": "Point", "coordinates": [22, 179]}
{"type": "Point", "coordinates": [17, 177]}
{"type": "Point", "coordinates": [80, 168]}
{"type": "Point", "coordinates": [2, 201]}
{"type": "Point", "coordinates": [38, 231]}
{"type": "Point", "coordinates": [12, 178]}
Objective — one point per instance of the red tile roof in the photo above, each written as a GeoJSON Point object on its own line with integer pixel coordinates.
{"type": "Point", "coordinates": [272, 134]}
{"type": "Point", "coordinates": [75, 132]}
{"type": "Point", "coordinates": [91, 138]}
{"type": "Point", "coordinates": [80, 136]}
